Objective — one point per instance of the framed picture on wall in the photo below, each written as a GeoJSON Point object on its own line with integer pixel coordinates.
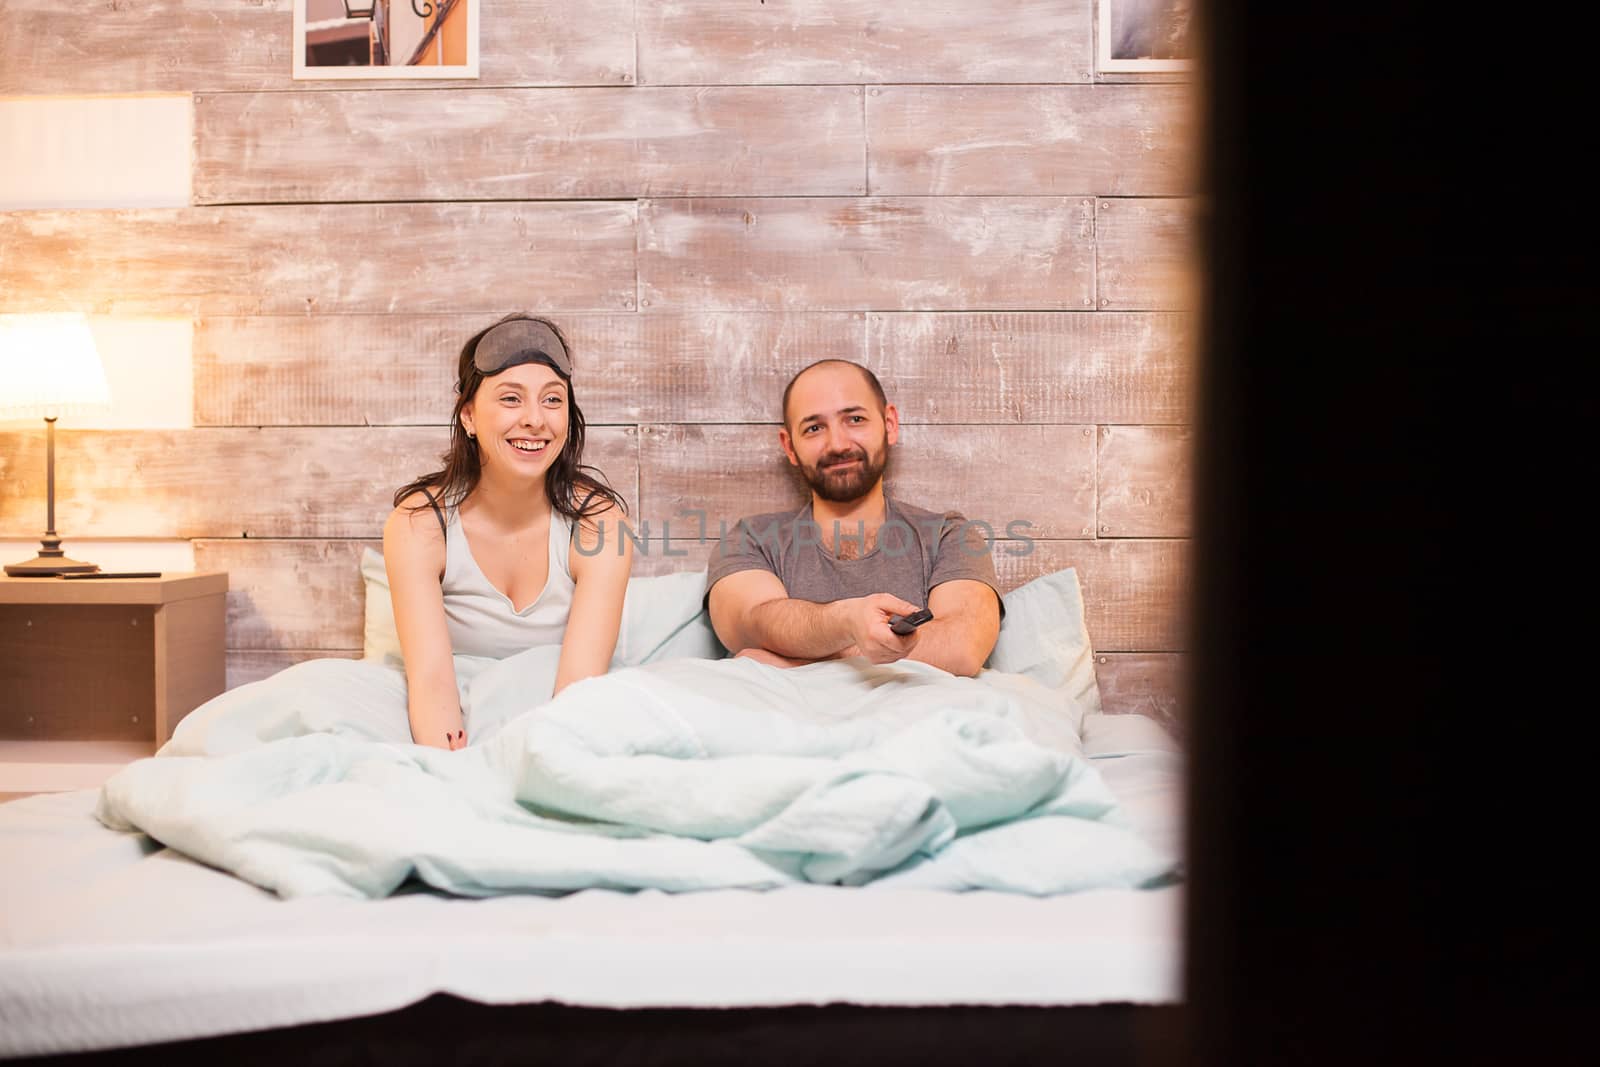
{"type": "Point", "coordinates": [386, 38]}
{"type": "Point", "coordinates": [1143, 35]}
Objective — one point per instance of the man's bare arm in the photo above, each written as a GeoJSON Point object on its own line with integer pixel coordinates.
{"type": "Point", "coordinates": [752, 609]}
{"type": "Point", "coordinates": [966, 622]}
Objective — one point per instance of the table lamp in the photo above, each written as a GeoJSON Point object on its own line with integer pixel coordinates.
{"type": "Point", "coordinates": [49, 367]}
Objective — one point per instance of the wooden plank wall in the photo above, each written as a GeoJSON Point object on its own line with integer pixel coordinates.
{"type": "Point", "coordinates": [709, 196]}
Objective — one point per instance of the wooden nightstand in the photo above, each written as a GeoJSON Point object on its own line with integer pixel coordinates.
{"type": "Point", "coordinates": [100, 671]}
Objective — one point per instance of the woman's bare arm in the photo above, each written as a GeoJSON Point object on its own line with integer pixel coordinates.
{"type": "Point", "coordinates": [413, 556]}
{"type": "Point", "coordinates": [600, 571]}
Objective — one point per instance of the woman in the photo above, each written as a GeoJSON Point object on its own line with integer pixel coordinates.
{"type": "Point", "coordinates": [479, 554]}
{"type": "Point", "coordinates": [480, 565]}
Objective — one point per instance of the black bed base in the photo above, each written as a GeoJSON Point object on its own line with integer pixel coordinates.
{"type": "Point", "coordinates": [448, 1030]}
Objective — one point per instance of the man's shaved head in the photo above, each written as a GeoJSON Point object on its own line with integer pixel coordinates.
{"type": "Point", "coordinates": [871, 380]}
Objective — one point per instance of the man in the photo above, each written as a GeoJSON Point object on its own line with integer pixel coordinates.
{"type": "Point", "coordinates": [821, 583]}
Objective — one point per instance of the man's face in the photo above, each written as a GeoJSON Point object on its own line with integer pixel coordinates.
{"type": "Point", "coordinates": [836, 434]}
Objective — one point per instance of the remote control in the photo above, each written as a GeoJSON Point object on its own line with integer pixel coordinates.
{"type": "Point", "coordinates": [904, 624]}
{"type": "Point", "coordinates": [113, 574]}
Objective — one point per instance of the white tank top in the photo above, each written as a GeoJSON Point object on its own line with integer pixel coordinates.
{"type": "Point", "coordinates": [481, 619]}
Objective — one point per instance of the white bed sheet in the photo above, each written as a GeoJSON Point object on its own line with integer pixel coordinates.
{"type": "Point", "coordinates": [109, 941]}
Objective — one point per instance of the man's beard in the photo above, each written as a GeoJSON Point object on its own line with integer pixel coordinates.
{"type": "Point", "coordinates": [851, 483]}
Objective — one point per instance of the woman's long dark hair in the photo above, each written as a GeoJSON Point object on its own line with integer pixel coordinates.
{"type": "Point", "coordinates": [575, 489]}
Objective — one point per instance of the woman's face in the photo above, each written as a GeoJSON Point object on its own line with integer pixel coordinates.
{"type": "Point", "coordinates": [520, 419]}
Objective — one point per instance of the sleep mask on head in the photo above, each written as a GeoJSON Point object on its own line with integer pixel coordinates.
{"type": "Point", "coordinates": [520, 341]}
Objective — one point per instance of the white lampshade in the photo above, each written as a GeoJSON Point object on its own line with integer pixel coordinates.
{"type": "Point", "coordinates": [49, 367]}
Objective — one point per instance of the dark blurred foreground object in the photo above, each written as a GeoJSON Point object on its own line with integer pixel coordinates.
{"type": "Point", "coordinates": [1390, 431]}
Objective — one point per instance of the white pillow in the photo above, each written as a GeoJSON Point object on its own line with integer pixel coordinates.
{"type": "Point", "coordinates": [662, 618]}
{"type": "Point", "coordinates": [1042, 637]}
{"type": "Point", "coordinates": [380, 640]}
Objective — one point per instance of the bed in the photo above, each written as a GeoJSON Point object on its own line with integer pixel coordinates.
{"type": "Point", "coordinates": [110, 941]}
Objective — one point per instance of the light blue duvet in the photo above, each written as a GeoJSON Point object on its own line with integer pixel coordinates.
{"type": "Point", "coordinates": [680, 775]}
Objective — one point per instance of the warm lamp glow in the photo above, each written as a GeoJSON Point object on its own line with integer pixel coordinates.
{"type": "Point", "coordinates": [50, 367]}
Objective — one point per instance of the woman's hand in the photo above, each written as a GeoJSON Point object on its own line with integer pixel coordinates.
{"type": "Point", "coordinates": [449, 741]}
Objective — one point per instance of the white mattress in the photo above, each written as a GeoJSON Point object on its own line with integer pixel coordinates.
{"type": "Point", "coordinates": [107, 942]}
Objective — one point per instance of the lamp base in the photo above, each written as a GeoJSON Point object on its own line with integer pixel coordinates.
{"type": "Point", "coordinates": [50, 562]}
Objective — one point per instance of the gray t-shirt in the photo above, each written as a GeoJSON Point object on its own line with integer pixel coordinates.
{"type": "Point", "coordinates": [916, 550]}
